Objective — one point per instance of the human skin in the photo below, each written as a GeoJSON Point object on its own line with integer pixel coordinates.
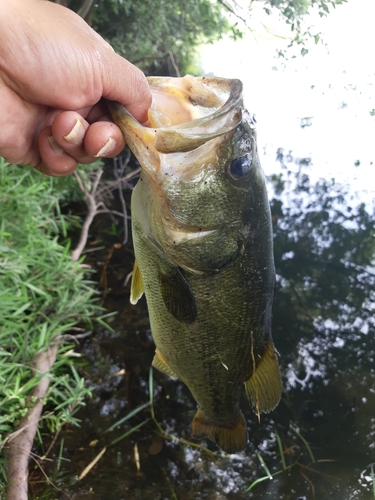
{"type": "Point", "coordinates": [54, 73]}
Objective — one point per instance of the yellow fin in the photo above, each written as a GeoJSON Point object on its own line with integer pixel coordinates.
{"type": "Point", "coordinates": [230, 437]}
{"type": "Point", "coordinates": [263, 388]}
{"type": "Point", "coordinates": [160, 363]}
{"type": "Point", "coordinates": [136, 288]}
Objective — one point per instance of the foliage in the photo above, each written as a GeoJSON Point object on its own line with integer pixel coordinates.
{"type": "Point", "coordinates": [43, 295]}
{"type": "Point", "coordinates": [295, 13]}
{"type": "Point", "coordinates": [161, 36]}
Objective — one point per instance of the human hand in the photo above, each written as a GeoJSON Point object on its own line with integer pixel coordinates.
{"type": "Point", "coordinates": [54, 72]}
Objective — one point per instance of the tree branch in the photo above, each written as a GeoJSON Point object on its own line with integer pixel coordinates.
{"type": "Point", "coordinates": [92, 211]}
{"type": "Point", "coordinates": [232, 11]}
{"type": "Point", "coordinates": [22, 441]}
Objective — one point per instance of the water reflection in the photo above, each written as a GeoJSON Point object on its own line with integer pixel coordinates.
{"type": "Point", "coordinates": [320, 441]}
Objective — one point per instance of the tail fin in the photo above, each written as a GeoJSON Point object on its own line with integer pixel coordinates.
{"type": "Point", "coordinates": [231, 437]}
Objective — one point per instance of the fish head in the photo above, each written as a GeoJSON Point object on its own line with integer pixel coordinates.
{"type": "Point", "coordinates": [199, 168]}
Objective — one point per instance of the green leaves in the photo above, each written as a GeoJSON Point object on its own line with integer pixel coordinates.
{"type": "Point", "coordinates": [42, 295]}
{"type": "Point", "coordinates": [295, 13]}
{"type": "Point", "coordinates": [162, 37]}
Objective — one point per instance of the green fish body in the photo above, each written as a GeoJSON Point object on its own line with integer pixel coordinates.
{"type": "Point", "coordinates": [203, 245]}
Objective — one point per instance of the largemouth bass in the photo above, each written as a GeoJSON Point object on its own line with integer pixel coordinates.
{"type": "Point", "coordinates": [203, 246]}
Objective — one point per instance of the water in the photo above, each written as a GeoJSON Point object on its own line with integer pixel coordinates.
{"type": "Point", "coordinates": [320, 441]}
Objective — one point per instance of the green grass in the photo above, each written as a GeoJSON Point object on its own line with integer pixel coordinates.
{"type": "Point", "coordinates": [284, 466]}
{"type": "Point", "coordinates": [159, 429]}
{"type": "Point", "coordinates": [43, 294]}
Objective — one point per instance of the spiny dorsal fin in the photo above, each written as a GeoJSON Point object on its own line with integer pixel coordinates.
{"type": "Point", "coordinates": [230, 437]}
{"type": "Point", "coordinates": [178, 296]}
{"type": "Point", "coordinates": [160, 363]}
{"type": "Point", "coordinates": [136, 288]}
{"type": "Point", "coordinates": [263, 388]}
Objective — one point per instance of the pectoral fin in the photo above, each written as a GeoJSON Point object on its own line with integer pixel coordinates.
{"type": "Point", "coordinates": [160, 363]}
{"type": "Point", "coordinates": [136, 288]}
{"type": "Point", "coordinates": [178, 296]}
{"type": "Point", "coordinates": [263, 388]}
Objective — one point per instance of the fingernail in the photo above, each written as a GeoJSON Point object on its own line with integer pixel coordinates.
{"type": "Point", "coordinates": [108, 147]}
{"type": "Point", "coordinates": [76, 135]}
{"type": "Point", "coordinates": [54, 146]}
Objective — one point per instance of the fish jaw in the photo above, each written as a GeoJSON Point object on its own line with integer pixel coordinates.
{"type": "Point", "coordinates": [139, 138]}
{"type": "Point", "coordinates": [205, 108]}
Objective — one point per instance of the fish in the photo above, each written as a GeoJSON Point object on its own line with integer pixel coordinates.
{"type": "Point", "coordinates": [203, 247]}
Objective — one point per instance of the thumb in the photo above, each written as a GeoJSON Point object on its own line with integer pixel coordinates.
{"type": "Point", "coordinates": [125, 83]}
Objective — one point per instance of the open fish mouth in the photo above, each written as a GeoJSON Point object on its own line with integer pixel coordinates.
{"type": "Point", "coordinates": [185, 113]}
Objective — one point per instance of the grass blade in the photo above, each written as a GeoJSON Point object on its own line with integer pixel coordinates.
{"type": "Point", "coordinates": [305, 443]}
{"type": "Point", "coordinates": [281, 450]}
{"type": "Point", "coordinates": [259, 480]}
{"type": "Point", "coordinates": [130, 431]}
{"type": "Point", "coordinates": [263, 463]}
{"type": "Point", "coordinates": [129, 415]}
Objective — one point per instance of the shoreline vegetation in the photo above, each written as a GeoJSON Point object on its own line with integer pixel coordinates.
{"type": "Point", "coordinates": [46, 299]}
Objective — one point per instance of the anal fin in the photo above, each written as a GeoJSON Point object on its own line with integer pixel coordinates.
{"type": "Point", "coordinates": [263, 388]}
{"type": "Point", "coordinates": [160, 363]}
{"type": "Point", "coordinates": [136, 287]}
{"type": "Point", "coordinates": [230, 437]}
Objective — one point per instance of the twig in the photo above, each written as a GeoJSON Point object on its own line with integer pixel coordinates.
{"type": "Point", "coordinates": [173, 61]}
{"type": "Point", "coordinates": [95, 204]}
{"type": "Point", "coordinates": [127, 279]}
{"type": "Point", "coordinates": [20, 446]}
{"type": "Point", "coordinates": [92, 208]}
{"type": "Point", "coordinates": [111, 185]}
{"type": "Point", "coordinates": [75, 338]}
{"type": "Point", "coordinates": [94, 249]}
{"type": "Point", "coordinates": [106, 210]}
{"type": "Point", "coordinates": [48, 479]}
{"type": "Point", "coordinates": [52, 444]}
{"type": "Point", "coordinates": [87, 469]}
{"type": "Point", "coordinates": [232, 11]}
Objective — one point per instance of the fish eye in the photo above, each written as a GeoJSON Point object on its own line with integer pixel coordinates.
{"type": "Point", "coordinates": [240, 167]}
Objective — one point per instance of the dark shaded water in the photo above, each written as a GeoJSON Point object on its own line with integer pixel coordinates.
{"type": "Point", "coordinates": [324, 330]}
